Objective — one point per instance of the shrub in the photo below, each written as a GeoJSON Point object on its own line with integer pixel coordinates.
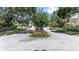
{"type": "Point", "coordinates": [39, 34]}
{"type": "Point", "coordinates": [53, 24]}
{"type": "Point", "coordinates": [77, 27]}
{"type": "Point", "coordinates": [71, 26]}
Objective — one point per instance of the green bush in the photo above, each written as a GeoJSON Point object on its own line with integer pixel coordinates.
{"type": "Point", "coordinates": [53, 24]}
{"type": "Point", "coordinates": [60, 31]}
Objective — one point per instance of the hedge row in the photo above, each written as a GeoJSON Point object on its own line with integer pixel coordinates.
{"type": "Point", "coordinates": [71, 26]}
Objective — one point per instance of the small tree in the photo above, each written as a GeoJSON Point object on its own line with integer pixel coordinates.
{"type": "Point", "coordinates": [41, 20]}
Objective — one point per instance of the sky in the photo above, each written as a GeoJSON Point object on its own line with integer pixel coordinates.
{"type": "Point", "coordinates": [50, 10]}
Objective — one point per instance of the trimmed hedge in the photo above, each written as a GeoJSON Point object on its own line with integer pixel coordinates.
{"type": "Point", "coordinates": [39, 34]}
{"type": "Point", "coordinates": [71, 26]}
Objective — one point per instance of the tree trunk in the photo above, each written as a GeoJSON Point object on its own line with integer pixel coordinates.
{"type": "Point", "coordinates": [39, 29]}
{"type": "Point", "coordinates": [78, 14]}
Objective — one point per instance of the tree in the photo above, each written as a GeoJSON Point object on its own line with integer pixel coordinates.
{"type": "Point", "coordinates": [65, 12]}
{"type": "Point", "coordinates": [54, 16]}
{"type": "Point", "coordinates": [14, 12]}
{"type": "Point", "coordinates": [41, 20]}
{"type": "Point", "coordinates": [56, 20]}
{"type": "Point", "coordinates": [75, 10]}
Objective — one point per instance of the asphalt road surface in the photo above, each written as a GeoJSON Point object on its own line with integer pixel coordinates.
{"type": "Point", "coordinates": [56, 42]}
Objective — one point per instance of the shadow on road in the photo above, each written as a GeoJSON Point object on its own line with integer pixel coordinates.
{"type": "Point", "coordinates": [24, 31]}
{"type": "Point", "coordinates": [18, 32]}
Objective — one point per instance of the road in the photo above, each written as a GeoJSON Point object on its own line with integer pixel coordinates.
{"type": "Point", "coordinates": [56, 42]}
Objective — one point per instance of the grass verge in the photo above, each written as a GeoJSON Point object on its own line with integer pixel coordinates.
{"type": "Point", "coordinates": [70, 31]}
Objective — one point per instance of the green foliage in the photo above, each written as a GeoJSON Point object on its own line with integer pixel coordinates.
{"type": "Point", "coordinates": [53, 24]}
{"type": "Point", "coordinates": [41, 19]}
{"type": "Point", "coordinates": [55, 19]}
{"type": "Point", "coordinates": [8, 15]}
{"type": "Point", "coordinates": [25, 11]}
{"type": "Point", "coordinates": [23, 21]}
{"type": "Point", "coordinates": [64, 12]}
{"type": "Point", "coordinates": [54, 16]}
{"type": "Point", "coordinates": [60, 31]}
{"type": "Point", "coordinates": [68, 31]}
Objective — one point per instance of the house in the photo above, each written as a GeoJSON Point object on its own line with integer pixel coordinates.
{"type": "Point", "coordinates": [74, 19]}
{"type": "Point", "coordinates": [73, 23]}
